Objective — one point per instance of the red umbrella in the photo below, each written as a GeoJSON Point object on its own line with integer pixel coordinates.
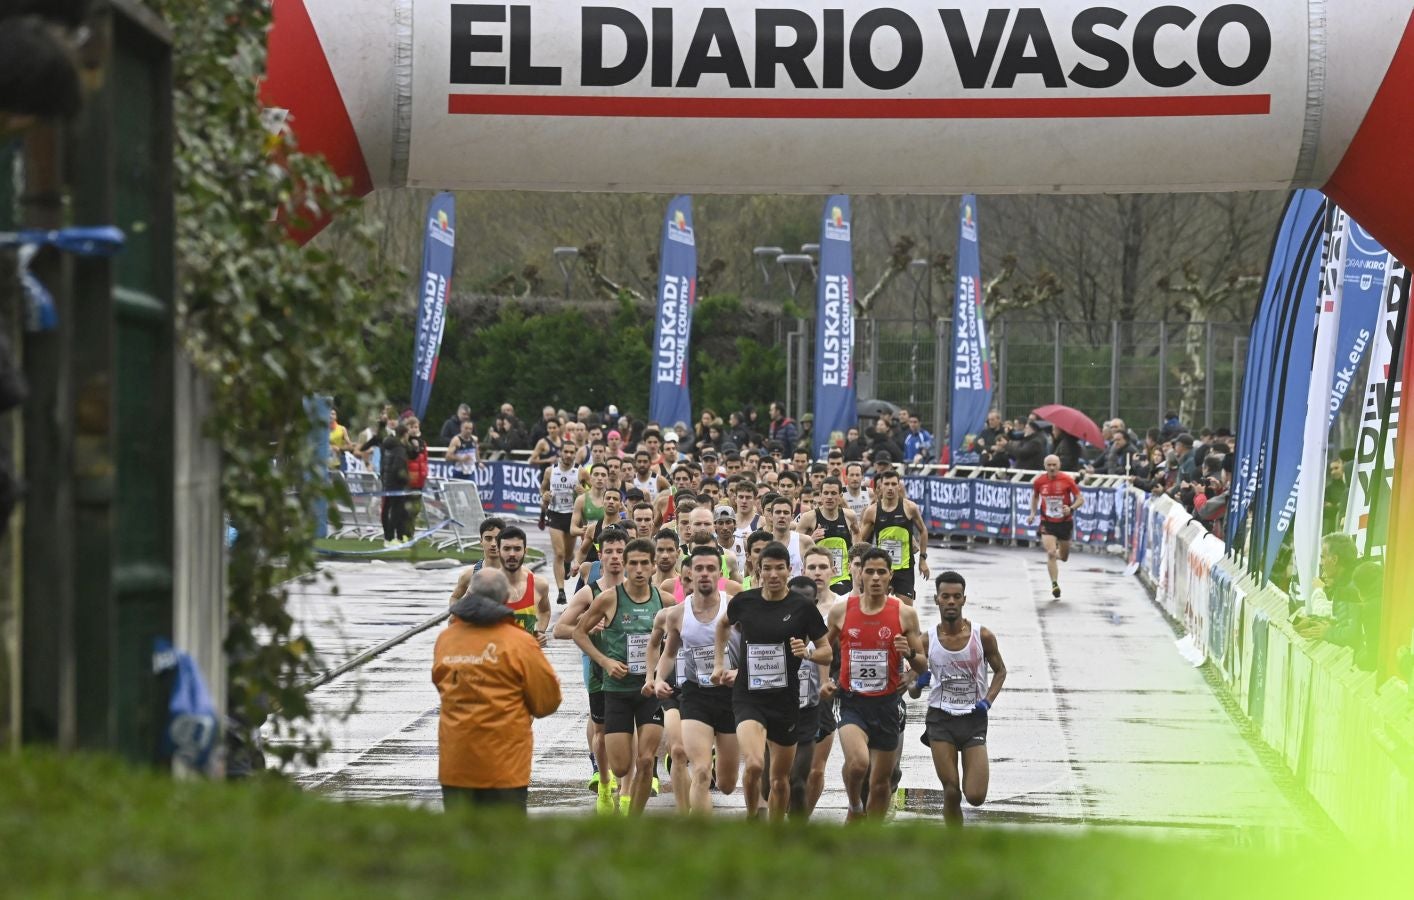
{"type": "Point", "coordinates": [1072, 421]}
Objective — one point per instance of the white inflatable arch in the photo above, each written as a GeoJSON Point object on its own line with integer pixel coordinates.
{"type": "Point", "coordinates": [860, 97]}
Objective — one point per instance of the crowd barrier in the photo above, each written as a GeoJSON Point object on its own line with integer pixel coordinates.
{"type": "Point", "coordinates": [1349, 742]}
{"type": "Point", "coordinates": [950, 506]}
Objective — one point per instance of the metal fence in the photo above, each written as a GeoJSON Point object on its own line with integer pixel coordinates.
{"type": "Point", "coordinates": [1138, 371]}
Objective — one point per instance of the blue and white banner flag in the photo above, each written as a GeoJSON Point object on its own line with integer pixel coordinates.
{"type": "Point", "coordinates": [971, 368]}
{"type": "Point", "coordinates": [1255, 419]}
{"type": "Point", "coordinates": [834, 326]}
{"type": "Point", "coordinates": [1362, 301]}
{"type": "Point", "coordinates": [669, 400]}
{"type": "Point", "coordinates": [438, 248]}
{"type": "Point", "coordinates": [1295, 346]}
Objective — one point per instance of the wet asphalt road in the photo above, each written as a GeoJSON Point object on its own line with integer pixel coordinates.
{"type": "Point", "coordinates": [1101, 722]}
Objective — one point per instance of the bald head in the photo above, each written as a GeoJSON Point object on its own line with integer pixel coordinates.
{"type": "Point", "coordinates": [1052, 464]}
{"type": "Point", "coordinates": [491, 584]}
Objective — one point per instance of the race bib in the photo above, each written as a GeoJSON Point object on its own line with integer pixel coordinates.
{"type": "Point", "coordinates": [682, 667]}
{"type": "Point", "coordinates": [638, 654]}
{"type": "Point", "coordinates": [1055, 508]}
{"type": "Point", "coordinates": [766, 667]}
{"type": "Point", "coordinates": [894, 548]}
{"type": "Point", "coordinates": [703, 658]}
{"type": "Point", "coordinates": [837, 558]}
{"type": "Point", "coordinates": [806, 680]}
{"type": "Point", "coordinates": [868, 671]}
{"type": "Point", "coordinates": [958, 691]}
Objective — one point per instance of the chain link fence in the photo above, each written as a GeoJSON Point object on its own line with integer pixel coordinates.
{"type": "Point", "coordinates": [1138, 371]}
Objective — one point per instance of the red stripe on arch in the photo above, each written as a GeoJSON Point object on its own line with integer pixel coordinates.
{"type": "Point", "coordinates": [299, 79]}
{"type": "Point", "coordinates": [842, 108]}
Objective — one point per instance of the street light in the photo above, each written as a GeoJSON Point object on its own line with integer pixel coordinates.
{"type": "Point", "coordinates": [797, 266]}
{"type": "Point", "coordinates": [812, 249]}
{"type": "Point", "coordinates": [764, 255]}
{"type": "Point", "coordinates": [567, 258]}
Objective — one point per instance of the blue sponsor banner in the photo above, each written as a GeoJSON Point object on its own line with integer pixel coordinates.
{"type": "Point", "coordinates": [1255, 422]}
{"type": "Point", "coordinates": [1295, 344]}
{"type": "Point", "coordinates": [834, 326]}
{"type": "Point", "coordinates": [971, 393]}
{"type": "Point", "coordinates": [1360, 307]}
{"type": "Point", "coordinates": [993, 509]}
{"type": "Point", "coordinates": [949, 505]}
{"type": "Point", "coordinates": [1022, 527]}
{"type": "Point", "coordinates": [438, 249]}
{"type": "Point", "coordinates": [506, 488]}
{"type": "Point", "coordinates": [668, 399]}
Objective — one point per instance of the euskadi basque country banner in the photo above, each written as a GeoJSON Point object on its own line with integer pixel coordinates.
{"type": "Point", "coordinates": [971, 371]}
{"type": "Point", "coordinates": [438, 250]}
{"type": "Point", "coordinates": [997, 509]}
{"type": "Point", "coordinates": [834, 326]}
{"type": "Point", "coordinates": [669, 401]}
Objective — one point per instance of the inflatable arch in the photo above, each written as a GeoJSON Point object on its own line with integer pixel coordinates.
{"type": "Point", "coordinates": [885, 96]}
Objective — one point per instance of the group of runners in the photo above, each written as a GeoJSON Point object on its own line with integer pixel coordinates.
{"type": "Point", "coordinates": [738, 618]}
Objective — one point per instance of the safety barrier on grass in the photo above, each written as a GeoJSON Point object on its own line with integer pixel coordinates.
{"type": "Point", "coordinates": [1346, 739]}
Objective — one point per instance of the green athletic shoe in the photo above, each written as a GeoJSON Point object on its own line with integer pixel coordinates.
{"type": "Point", "coordinates": [604, 804]}
{"type": "Point", "coordinates": [594, 783]}
{"type": "Point", "coordinates": [624, 804]}
{"type": "Point", "coordinates": [1055, 589]}
{"type": "Point", "coordinates": [898, 799]}
{"type": "Point", "coordinates": [654, 791]}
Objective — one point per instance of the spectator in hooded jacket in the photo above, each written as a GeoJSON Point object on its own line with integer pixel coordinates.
{"type": "Point", "coordinates": [1030, 451]}
{"type": "Point", "coordinates": [494, 680]}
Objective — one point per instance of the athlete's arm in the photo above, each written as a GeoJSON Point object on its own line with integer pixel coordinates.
{"type": "Point", "coordinates": [994, 660]}
{"type": "Point", "coordinates": [463, 585]}
{"type": "Point", "coordinates": [544, 480]}
{"type": "Point", "coordinates": [598, 611]}
{"type": "Point", "coordinates": [542, 612]}
{"type": "Point", "coordinates": [916, 516]}
{"type": "Point", "coordinates": [910, 644]}
{"type": "Point", "coordinates": [453, 446]}
{"type": "Point", "coordinates": [1079, 497]}
{"type": "Point", "coordinates": [564, 628]}
{"type": "Point", "coordinates": [835, 621]}
{"type": "Point", "coordinates": [577, 517]}
{"type": "Point", "coordinates": [805, 525]}
{"type": "Point", "coordinates": [732, 570]}
{"type": "Point", "coordinates": [1035, 499]}
{"type": "Point", "coordinates": [719, 649]}
{"type": "Point", "coordinates": [537, 459]}
{"type": "Point", "coordinates": [655, 657]}
{"type": "Point", "coordinates": [866, 523]}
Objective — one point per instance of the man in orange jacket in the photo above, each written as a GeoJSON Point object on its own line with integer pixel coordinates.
{"type": "Point", "coordinates": [493, 678]}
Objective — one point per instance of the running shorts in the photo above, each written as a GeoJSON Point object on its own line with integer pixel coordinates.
{"type": "Point", "coordinates": [626, 710]}
{"type": "Point", "coordinates": [877, 717]}
{"type": "Point", "coordinates": [961, 731]}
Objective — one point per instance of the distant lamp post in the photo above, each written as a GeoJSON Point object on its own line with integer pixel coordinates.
{"type": "Point", "coordinates": [811, 249]}
{"type": "Point", "coordinates": [567, 258]}
{"type": "Point", "coordinates": [799, 268]}
{"type": "Point", "coordinates": [764, 257]}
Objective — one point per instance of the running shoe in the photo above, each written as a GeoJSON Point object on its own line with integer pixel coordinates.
{"type": "Point", "coordinates": [604, 804]}
{"type": "Point", "coordinates": [898, 799]}
{"type": "Point", "coordinates": [594, 783]}
{"type": "Point", "coordinates": [560, 599]}
{"type": "Point", "coordinates": [1055, 589]}
{"type": "Point", "coordinates": [654, 791]}
{"type": "Point", "coordinates": [625, 803]}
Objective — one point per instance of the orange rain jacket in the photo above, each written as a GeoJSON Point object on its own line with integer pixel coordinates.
{"type": "Point", "coordinates": [493, 678]}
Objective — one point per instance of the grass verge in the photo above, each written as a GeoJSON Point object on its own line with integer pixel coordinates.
{"type": "Point", "coordinates": [88, 826]}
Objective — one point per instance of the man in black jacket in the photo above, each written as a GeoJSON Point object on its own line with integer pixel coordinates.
{"type": "Point", "coordinates": [1030, 451]}
{"type": "Point", "coordinates": [395, 478]}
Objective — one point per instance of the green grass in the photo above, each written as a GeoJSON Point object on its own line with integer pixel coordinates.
{"type": "Point", "coordinates": [91, 827]}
